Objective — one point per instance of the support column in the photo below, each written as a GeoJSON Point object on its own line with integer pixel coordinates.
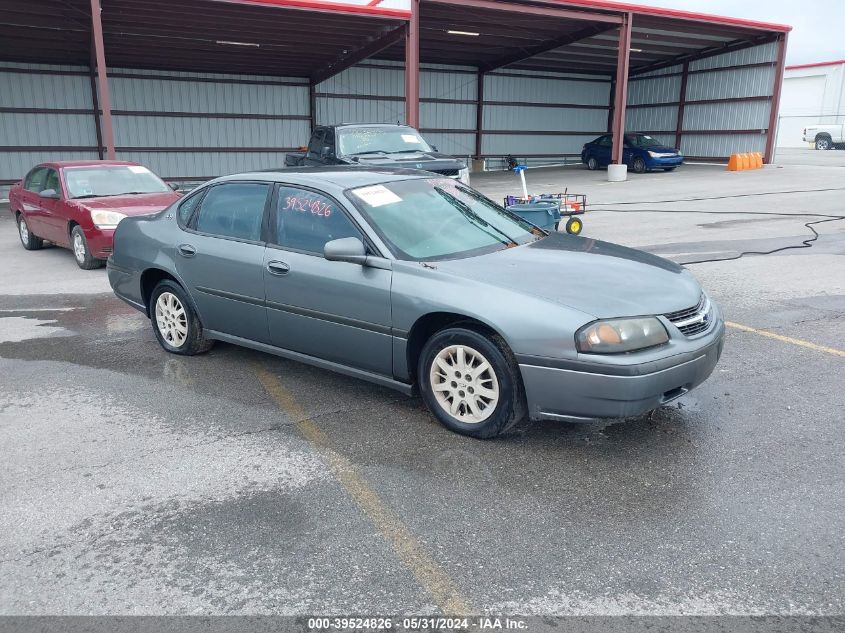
{"type": "Point", "coordinates": [312, 104]}
{"type": "Point", "coordinates": [479, 116]}
{"type": "Point", "coordinates": [611, 100]}
{"type": "Point", "coordinates": [102, 79]}
{"type": "Point", "coordinates": [621, 95]}
{"type": "Point", "coordinates": [95, 102]}
{"type": "Point", "coordinates": [772, 132]}
{"type": "Point", "coordinates": [412, 67]}
{"type": "Point", "coordinates": [682, 104]}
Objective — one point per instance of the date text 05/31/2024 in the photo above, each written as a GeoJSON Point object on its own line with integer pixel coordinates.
{"type": "Point", "coordinates": [416, 623]}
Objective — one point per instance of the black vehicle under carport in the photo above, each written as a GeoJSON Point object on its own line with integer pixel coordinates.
{"type": "Point", "coordinates": [376, 145]}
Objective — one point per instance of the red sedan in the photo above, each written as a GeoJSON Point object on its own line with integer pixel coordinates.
{"type": "Point", "coordinates": [78, 204]}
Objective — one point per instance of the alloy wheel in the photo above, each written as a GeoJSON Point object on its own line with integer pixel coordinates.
{"type": "Point", "coordinates": [78, 248]}
{"type": "Point", "coordinates": [23, 230]}
{"type": "Point", "coordinates": [171, 319]}
{"type": "Point", "coordinates": [464, 384]}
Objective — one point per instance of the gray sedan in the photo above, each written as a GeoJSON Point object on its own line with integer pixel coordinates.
{"type": "Point", "coordinates": [419, 283]}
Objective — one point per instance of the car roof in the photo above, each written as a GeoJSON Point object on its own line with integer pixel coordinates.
{"type": "Point", "coordinates": [87, 163]}
{"type": "Point", "coordinates": [344, 177]}
{"type": "Point", "coordinates": [354, 125]}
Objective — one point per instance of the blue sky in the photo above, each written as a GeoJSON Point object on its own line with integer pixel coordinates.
{"type": "Point", "coordinates": [818, 25]}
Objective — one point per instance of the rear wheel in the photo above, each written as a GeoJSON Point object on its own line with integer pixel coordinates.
{"type": "Point", "coordinates": [638, 166]}
{"type": "Point", "coordinates": [29, 240]}
{"type": "Point", "coordinates": [81, 251]}
{"type": "Point", "coordinates": [592, 163]}
{"type": "Point", "coordinates": [470, 382]}
{"type": "Point", "coordinates": [175, 323]}
{"type": "Point", "coordinates": [823, 143]}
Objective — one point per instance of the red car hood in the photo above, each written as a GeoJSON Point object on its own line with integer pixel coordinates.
{"type": "Point", "coordinates": [136, 204]}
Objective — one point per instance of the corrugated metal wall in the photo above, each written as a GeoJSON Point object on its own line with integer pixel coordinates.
{"type": "Point", "coordinates": [653, 104]}
{"type": "Point", "coordinates": [745, 122]}
{"type": "Point", "coordinates": [23, 133]}
{"type": "Point", "coordinates": [542, 117]}
{"type": "Point", "coordinates": [199, 125]}
{"type": "Point", "coordinates": [374, 92]}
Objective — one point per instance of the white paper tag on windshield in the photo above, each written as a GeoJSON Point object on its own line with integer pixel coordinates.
{"type": "Point", "coordinates": [377, 195]}
{"type": "Point", "coordinates": [410, 138]}
{"type": "Point", "coordinates": [137, 169]}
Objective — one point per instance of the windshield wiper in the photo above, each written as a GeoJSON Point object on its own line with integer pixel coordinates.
{"type": "Point", "coordinates": [464, 209]}
{"type": "Point", "coordinates": [372, 151]}
{"type": "Point", "coordinates": [409, 151]}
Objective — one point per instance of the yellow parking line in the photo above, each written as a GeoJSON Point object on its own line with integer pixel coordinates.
{"type": "Point", "coordinates": [787, 339]}
{"type": "Point", "coordinates": [427, 572]}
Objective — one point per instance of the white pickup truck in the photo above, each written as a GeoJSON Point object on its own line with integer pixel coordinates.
{"type": "Point", "coordinates": [825, 136]}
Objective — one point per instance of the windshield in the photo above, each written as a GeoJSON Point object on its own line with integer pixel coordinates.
{"type": "Point", "coordinates": [112, 180]}
{"type": "Point", "coordinates": [643, 140]}
{"type": "Point", "coordinates": [380, 140]}
{"type": "Point", "coordinates": [439, 218]}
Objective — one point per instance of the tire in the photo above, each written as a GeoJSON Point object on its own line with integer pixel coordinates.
{"type": "Point", "coordinates": [638, 165]}
{"type": "Point", "coordinates": [488, 415]}
{"type": "Point", "coordinates": [574, 225]}
{"type": "Point", "coordinates": [80, 250]}
{"type": "Point", "coordinates": [29, 240]}
{"type": "Point", "coordinates": [823, 143]}
{"type": "Point", "coordinates": [592, 163]}
{"type": "Point", "coordinates": [176, 325]}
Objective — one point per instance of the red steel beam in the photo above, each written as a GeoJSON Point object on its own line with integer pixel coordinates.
{"type": "Point", "coordinates": [682, 104]}
{"type": "Point", "coordinates": [479, 115]}
{"type": "Point", "coordinates": [772, 132]}
{"type": "Point", "coordinates": [412, 67]}
{"type": "Point", "coordinates": [621, 96]}
{"type": "Point", "coordinates": [543, 11]}
{"type": "Point", "coordinates": [102, 79]}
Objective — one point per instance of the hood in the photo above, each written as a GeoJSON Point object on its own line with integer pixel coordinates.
{"type": "Point", "coordinates": [598, 278]}
{"type": "Point", "coordinates": [428, 161]}
{"type": "Point", "coordinates": [661, 149]}
{"type": "Point", "coordinates": [135, 204]}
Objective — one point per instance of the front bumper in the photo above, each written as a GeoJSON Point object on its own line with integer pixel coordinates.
{"type": "Point", "coordinates": [670, 161]}
{"type": "Point", "coordinates": [100, 241]}
{"type": "Point", "coordinates": [584, 394]}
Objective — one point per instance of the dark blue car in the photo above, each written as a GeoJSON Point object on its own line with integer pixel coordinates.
{"type": "Point", "coordinates": [641, 153]}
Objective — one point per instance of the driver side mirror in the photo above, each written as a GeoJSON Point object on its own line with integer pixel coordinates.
{"type": "Point", "coordinates": [52, 194]}
{"type": "Point", "coordinates": [326, 152]}
{"type": "Point", "coordinates": [346, 249]}
{"type": "Point", "coordinates": [174, 186]}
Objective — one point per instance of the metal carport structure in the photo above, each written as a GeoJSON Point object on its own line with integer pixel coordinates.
{"type": "Point", "coordinates": [199, 87]}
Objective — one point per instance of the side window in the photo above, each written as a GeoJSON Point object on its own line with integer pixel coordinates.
{"type": "Point", "coordinates": [52, 181]}
{"type": "Point", "coordinates": [316, 143]}
{"type": "Point", "coordinates": [35, 179]}
{"type": "Point", "coordinates": [605, 141]}
{"type": "Point", "coordinates": [234, 210]}
{"type": "Point", "coordinates": [186, 208]}
{"type": "Point", "coordinates": [306, 220]}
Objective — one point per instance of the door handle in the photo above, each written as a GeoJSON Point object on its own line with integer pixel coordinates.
{"type": "Point", "coordinates": [278, 268]}
{"type": "Point", "coordinates": [186, 250]}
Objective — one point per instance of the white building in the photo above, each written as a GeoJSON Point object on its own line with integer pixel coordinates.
{"type": "Point", "coordinates": [812, 93]}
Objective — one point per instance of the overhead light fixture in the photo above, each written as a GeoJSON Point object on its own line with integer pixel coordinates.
{"type": "Point", "coordinates": [228, 43]}
{"type": "Point", "coordinates": [470, 33]}
{"type": "Point", "coordinates": [636, 50]}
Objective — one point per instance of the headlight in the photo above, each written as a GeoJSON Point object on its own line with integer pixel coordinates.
{"type": "Point", "coordinates": [615, 336]}
{"type": "Point", "coordinates": [463, 175]}
{"type": "Point", "coordinates": [106, 219]}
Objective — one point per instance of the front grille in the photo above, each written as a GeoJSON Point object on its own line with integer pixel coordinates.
{"type": "Point", "coordinates": [694, 320]}
{"type": "Point", "coordinates": [446, 172]}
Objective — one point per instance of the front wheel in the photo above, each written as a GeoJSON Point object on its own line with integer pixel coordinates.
{"type": "Point", "coordinates": [592, 163]}
{"type": "Point", "coordinates": [175, 323]}
{"type": "Point", "coordinates": [470, 382]}
{"type": "Point", "coordinates": [823, 143]}
{"type": "Point", "coordinates": [638, 165]}
{"type": "Point", "coordinates": [29, 240]}
{"type": "Point", "coordinates": [574, 225]}
{"type": "Point", "coordinates": [81, 251]}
